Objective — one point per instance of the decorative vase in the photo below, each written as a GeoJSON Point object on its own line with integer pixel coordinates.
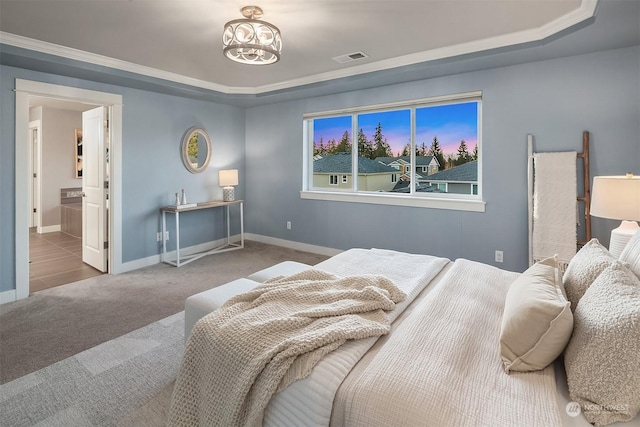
{"type": "Point", "coordinates": [184, 197]}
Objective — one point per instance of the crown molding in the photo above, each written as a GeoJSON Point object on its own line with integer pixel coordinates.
{"type": "Point", "coordinates": [105, 61]}
{"type": "Point", "coordinates": [586, 11]}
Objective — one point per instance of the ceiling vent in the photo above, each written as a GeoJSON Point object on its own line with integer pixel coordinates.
{"type": "Point", "coordinates": [342, 59]}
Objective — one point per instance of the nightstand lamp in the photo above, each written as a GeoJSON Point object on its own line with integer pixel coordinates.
{"type": "Point", "coordinates": [227, 179]}
{"type": "Point", "coordinates": [617, 197]}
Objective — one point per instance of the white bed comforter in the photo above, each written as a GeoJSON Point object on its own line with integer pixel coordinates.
{"type": "Point", "coordinates": [309, 402]}
{"type": "Point", "coordinates": [263, 340]}
{"type": "Point", "coordinates": [441, 365]}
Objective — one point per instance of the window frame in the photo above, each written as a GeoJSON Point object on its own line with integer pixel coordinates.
{"type": "Point", "coordinates": [465, 202]}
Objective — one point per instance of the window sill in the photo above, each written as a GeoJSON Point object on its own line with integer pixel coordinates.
{"type": "Point", "coordinates": [398, 200]}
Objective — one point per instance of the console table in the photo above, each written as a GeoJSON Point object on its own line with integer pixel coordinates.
{"type": "Point", "coordinates": [227, 246]}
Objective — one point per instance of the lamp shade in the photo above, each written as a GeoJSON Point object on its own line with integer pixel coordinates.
{"type": "Point", "coordinates": [616, 197]}
{"type": "Point", "coordinates": [228, 177]}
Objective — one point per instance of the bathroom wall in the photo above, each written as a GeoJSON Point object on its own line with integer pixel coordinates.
{"type": "Point", "coordinates": [58, 159]}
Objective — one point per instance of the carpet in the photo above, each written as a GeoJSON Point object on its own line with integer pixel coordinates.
{"type": "Point", "coordinates": [57, 323]}
{"type": "Point", "coordinates": [126, 381]}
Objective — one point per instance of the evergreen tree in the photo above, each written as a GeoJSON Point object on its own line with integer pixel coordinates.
{"type": "Point", "coordinates": [422, 151]}
{"type": "Point", "coordinates": [406, 151]}
{"type": "Point", "coordinates": [345, 143]}
{"type": "Point", "coordinates": [319, 148]}
{"type": "Point", "coordinates": [475, 152]}
{"type": "Point", "coordinates": [365, 148]}
{"type": "Point", "coordinates": [436, 152]}
{"type": "Point", "coordinates": [381, 146]}
{"type": "Point", "coordinates": [463, 154]}
{"type": "Point", "coordinates": [331, 146]}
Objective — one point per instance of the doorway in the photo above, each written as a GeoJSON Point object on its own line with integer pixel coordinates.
{"type": "Point", "coordinates": [25, 92]}
{"type": "Point", "coordinates": [55, 239]}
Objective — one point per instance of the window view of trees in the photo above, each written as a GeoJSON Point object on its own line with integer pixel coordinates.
{"type": "Point", "coordinates": [446, 140]}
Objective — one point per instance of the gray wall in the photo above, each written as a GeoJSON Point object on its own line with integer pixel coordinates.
{"type": "Point", "coordinates": [555, 100]}
{"type": "Point", "coordinates": [153, 127]}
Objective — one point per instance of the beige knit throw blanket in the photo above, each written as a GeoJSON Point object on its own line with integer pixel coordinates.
{"type": "Point", "coordinates": [261, 341]}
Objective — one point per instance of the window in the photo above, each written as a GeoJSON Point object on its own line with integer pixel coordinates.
{"type": "Point", "coordinates": [417, 153]}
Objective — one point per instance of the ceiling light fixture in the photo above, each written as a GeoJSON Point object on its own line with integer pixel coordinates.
{"type": "Point", "coordinates": [251, 41]}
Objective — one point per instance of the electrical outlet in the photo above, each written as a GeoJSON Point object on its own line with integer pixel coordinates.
{"type": "Point", "coordinates": [288, 225]}
{"type": "Point", "coordinates": [158, 236]}
{"type": "Point", "coordinates": [166, 235]}
{"type": "Point", "coordinates": [499, 256]}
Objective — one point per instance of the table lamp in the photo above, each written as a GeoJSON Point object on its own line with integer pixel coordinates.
{"type": "Point", "coordinates": [227, 179]}
{"type": "Point", "coordinates": [617, 197]}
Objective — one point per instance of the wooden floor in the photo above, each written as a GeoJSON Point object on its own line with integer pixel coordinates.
{"type": "Point", "coordinates": [56, 259]}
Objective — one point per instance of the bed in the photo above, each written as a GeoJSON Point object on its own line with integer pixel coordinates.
{"type": "Point", "coordinates": [443, 362]}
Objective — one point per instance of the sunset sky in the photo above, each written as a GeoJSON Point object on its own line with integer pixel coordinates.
{"type": "Point", "coordinates": [450, 123]}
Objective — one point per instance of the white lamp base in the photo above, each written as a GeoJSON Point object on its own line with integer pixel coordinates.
{"type": "Point", "coordinates": [228, 194]}
{"type": "Point", "coordinates": [621, 235]}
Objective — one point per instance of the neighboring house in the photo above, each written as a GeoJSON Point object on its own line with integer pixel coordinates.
{"type": "Point", "coordinates": [425, 165]}
{"type": "Point", "coordinates": [334, 171]}
{"type": "Point", "coordinates": [461, 179]}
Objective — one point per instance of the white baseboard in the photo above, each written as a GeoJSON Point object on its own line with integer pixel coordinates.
{"type": "Point", "coordinates": [49, 229]}
{"type": "Point", "coordinates": [157, 259]}
{"type": "Point", "coordinates": [7, 296]}
{"type": "Point", "coordinates": [138, 263]}
{"type": "Point", "coordinates": [321, 250]}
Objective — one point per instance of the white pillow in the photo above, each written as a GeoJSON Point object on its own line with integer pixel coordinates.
{"type": "Point", "coordinates": [583, 269]}
{"type": "Point", "coordinates": [631, 253]}
{"type": "Point", "coordinates": [537, 321]}
{"type": "Point", "coordinates": [602, 359]}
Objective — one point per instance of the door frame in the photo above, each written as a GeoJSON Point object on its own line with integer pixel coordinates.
{"type": "Point", "coordinates": [24, 89]}
{"type": "Point", "coordinates": [35, 167]}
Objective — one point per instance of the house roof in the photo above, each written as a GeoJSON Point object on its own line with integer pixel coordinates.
{"type": "Point", "coordinates": [466, 172]}
{"type": "Point", "coordinates": [420, 160]}
{"type": "Point", "coordinates": [341, 163]}
{"type": "Point", "coordinates": [403, 187]}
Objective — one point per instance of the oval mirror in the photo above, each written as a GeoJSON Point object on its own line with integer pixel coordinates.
{"type": "Point", "coordinates": [196, 150]}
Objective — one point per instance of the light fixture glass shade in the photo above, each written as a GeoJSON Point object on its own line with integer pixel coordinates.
{"type": "Point", "coordinates": [228, 177]}
{"type": "Point", "coordinates": [251, 41]}
{"type": "Point", "coordinates": [617, 197]}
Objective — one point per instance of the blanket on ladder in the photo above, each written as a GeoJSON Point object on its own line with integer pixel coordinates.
{"type": "Point", "coordinates": [261, 341]}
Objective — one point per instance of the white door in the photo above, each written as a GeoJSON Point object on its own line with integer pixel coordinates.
{"type": "Point", "coordinates": [94, 193]}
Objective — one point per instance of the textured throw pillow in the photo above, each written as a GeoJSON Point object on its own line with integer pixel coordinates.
{"type": "Point", "coordinates": [537, 321]}
{"type": "Point", "coordinates": [631, 253]}
{"type": "Point", "coordinates": [602, 359]}
{"type": "Point", "coordinates": [583, 269]}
